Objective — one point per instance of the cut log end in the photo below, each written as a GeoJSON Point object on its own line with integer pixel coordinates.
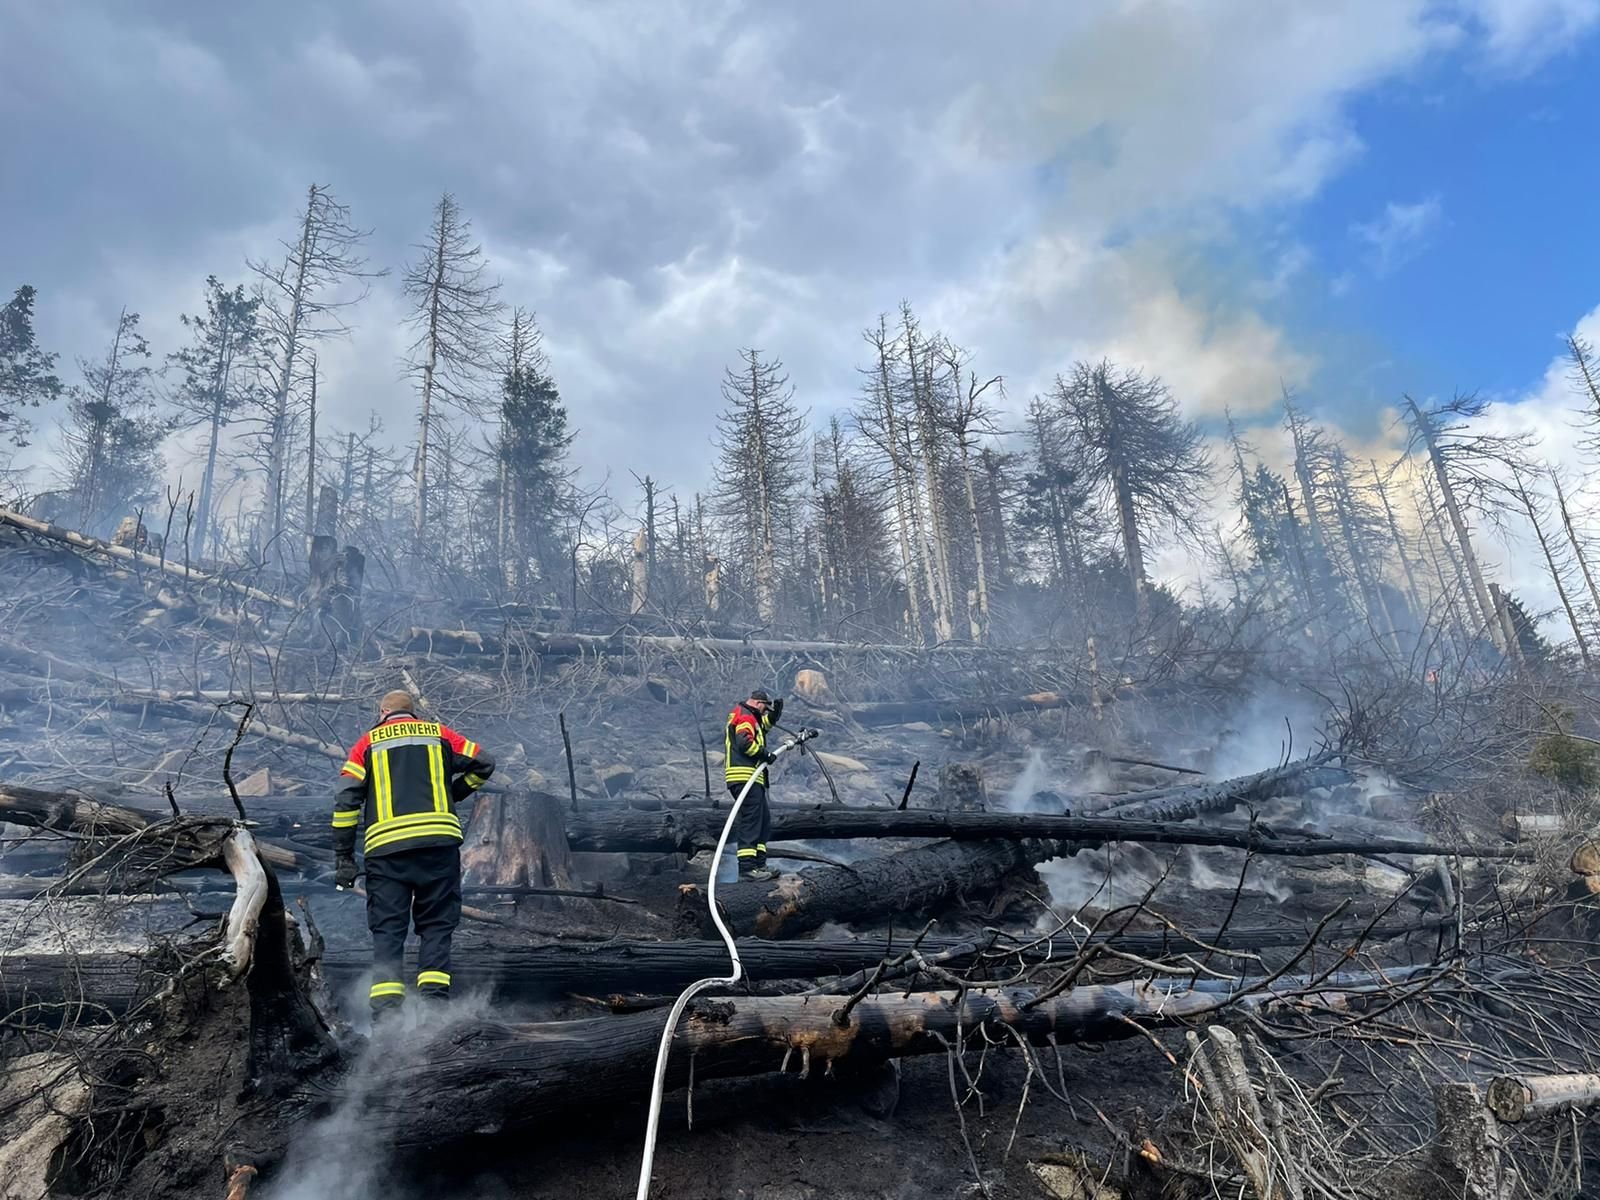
{"type": "Point", "coordinates": [1509, 1099]}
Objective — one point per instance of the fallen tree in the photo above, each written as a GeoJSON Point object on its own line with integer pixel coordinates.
{"type": "Point", "coordinates": [512, 1077]}
{"type": "Point", "coordinates": [76, 986]}
{"type": "Point", "coordinates": [1514, 1098]}
{"type": "Point", "coordinates": [690, 827]}
{"type": "Point", "coordinates": [908, 882]}
{"type": "Point", "coordinates": [166, 844]}
{"type": "Point", "coordinates": [162, 703]}
{"type": "Point", "coordinates": [531, 642]}
{"type": "Point", "coordinates": [94, 545]}
{"type": "Point", "coordinates": [904, 712]}
{"type": "Point", "coordinates": [1198, 799]}
{"type": "Point", "coordinates": [687, 831]}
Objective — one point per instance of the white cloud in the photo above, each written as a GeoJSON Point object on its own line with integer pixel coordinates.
{"type": "Point", "coordinates": [1399, 233]}
{"type": "Point", "coordinates": [1548, 412]}
{"type": "Point", "coordinates": [1519, 35]}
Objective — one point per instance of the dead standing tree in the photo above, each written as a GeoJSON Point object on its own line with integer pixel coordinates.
{"type": "Point", "coordinates": [881, 419]}
{"type": "Point", "coordinates": [210, 392]}
{"type": "Point", "coordinates": [302, 301]}
{"type": "Point", "coordinates": [1468, 468]}
{"type": "Point", "coordinates": [1586, 382]}
{"type": "Point", "coordinates": [927, 452]}
{"type": "Point", "coordinates": [454, 316]}
{"type": "Point", "coordinates": [966, 416]}
{"type": "Point", "coordinates": [1574, 540]}
{"type": "Point", "coordinates": [1531, 507]}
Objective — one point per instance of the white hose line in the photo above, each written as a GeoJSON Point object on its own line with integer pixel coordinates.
{"type": "Point", "coordinates": [658, 1086]}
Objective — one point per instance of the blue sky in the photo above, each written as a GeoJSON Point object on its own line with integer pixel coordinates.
{"type": "Point", "coordinates": [1465, 238]}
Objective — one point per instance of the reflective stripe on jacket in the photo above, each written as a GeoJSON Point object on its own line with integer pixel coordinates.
{"type": "Point", "coordinates": [744, 743]}
{"type": "Point", "coordinates": [402, 781]}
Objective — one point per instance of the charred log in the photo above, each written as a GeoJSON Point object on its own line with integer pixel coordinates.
{"type": "Point", "coordinates": [512, 1077]}
{"type": "Point", "coordinates": [169, 844]}
{"type": "Point", "coordinates": [84, 986]}
{"type": "Point", "coordinates": [1195, 800]}
{"type": "Point", "coordinates": [94, 545]}
{"type": "Point", "coordinates": [687, 831]}
{"type": "Point", "coordinates": [289, 1038]}
{"type": "Point", "coordinates": [533, 643]}
{"type": "Point", "coordinates": [908, 882]}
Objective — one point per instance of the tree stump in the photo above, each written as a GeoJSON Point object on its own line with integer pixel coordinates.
{"type": "Point", "coordinates": [813, 685]}
{"type": "Point", "coordinates": [961, 788]}
{"type": "Point", "coordinates": [1466, 1149]}
{"type": "Point", "coordinates": [518, 839]}
{"type": "Point", "coordinates": [344, 601]}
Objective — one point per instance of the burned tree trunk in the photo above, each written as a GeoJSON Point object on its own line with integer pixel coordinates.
{"type": "Point", "coordinates": [1425, 425]}
{"type": "Point", "coordinates": [517, 839]}
{"type": "Point", "coordinates": [687, 831]}
{"type": "Point", "coordinates": [72, 988]}
{"type": "Point", "coordinates": [1182, 803]}
{"type": "Point", "coordinates": [516, 1077]}
{"type": "Point", "coordinates": [900, 883]}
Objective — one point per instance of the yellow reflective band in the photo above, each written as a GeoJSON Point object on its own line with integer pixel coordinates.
{"type": "Point", "coordinates": [439, 827]}
{"type": "Point", "coordinates": [745, 854]}
{"type": "Point", "coordinates": [417, 825]}
{"type": "Point", "coordinates": [409, 835]}
{"type": "Point", "coordinates": [738, 774]}
{"type": "Point", "coordinates": [438, 977]}
{"type": "Point", "coordinates": [391, 988]}
{"type": "Point", "coordinates": [346, 820]}
{"type": "Point", "coordinates": [354, 769]}
{"type": "Point", "coordinates": [382, 785]}
{"type": "Point", "coordinates": [441, 790]}
{"type": "Point", "coordinates": [761, 847]}
{"type": "Point", "coordinates": [469, 748]}
{"type": "Point", "coordinates": [473, 781]}
{"type": "Point", "coordinates": [421, 818]}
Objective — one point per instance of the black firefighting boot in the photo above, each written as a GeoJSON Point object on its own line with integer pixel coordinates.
{"type": "Point", "coordinates": [387, 1011]}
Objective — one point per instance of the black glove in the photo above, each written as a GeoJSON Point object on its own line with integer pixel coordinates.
{"type": "Point", "coordinates": [344, 870]}
{"type": "Point", "coordinates": [769, 757]}
{"type": "Point", "coordinates": [776, 710]}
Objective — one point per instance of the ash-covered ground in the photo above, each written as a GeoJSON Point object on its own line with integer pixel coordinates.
{"type": "Point", "coordinates": [138, 1075]}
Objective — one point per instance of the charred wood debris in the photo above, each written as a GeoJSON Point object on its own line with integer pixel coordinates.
{"type": "Point", "coordinates": [1166, 919]}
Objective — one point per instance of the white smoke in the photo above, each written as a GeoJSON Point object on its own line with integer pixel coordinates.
{"type": "Point", "coordinates": [337, 1158]}
{"type": "Point", "coordinates": [1019, 796]}
{"type": "Point", "coordinates": [1107, 878]}
{"type": "Point", "coordinates": [1271, 726]}
{"type": "Point", "coordinates": [1218, 871]}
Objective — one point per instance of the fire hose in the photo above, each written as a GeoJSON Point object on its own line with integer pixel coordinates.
{"type": "Point", "coordinates": [658, 1085]}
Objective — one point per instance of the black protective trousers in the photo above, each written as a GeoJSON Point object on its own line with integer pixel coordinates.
{"type": "Point", "coordinates": [753, 825]}
{"type": "Point", "coordinates": [412, 888]}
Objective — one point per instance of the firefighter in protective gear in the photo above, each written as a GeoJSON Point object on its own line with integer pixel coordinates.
{"type": "Point", "coordinates": [745, 749]}
{"type": "Point", "coordinates": [402, 781]}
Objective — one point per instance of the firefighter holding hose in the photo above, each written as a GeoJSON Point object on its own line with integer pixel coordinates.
{"type": "Point", "coordinates": [745, 750]}
{"type": "Point", "coordinates": [402, 781]}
